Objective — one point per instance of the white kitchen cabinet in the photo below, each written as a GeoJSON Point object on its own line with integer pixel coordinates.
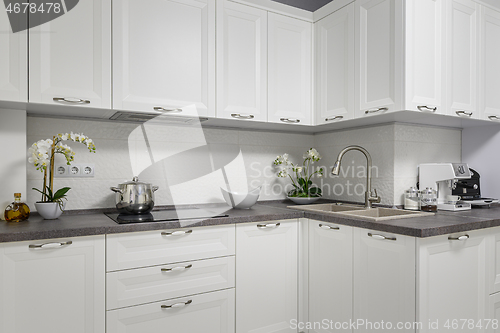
{"type": "Point", "coordinates": [493, 314]}
{"type": "Point", "coordinates": [330, 274]}
{"type": "Point", "coordinates": [384, 278]}
{"type": "Point", "coordinates": [379, 56]}
{"type": "Point", "coordinates": [70, 57]}
{"type": "Point", "coordinates": [289, 70]}
{"type": "Point", "coordinates": [489, 62]}
{"type": "Point", "coordinates": [53, 285]}
{"type": "Point", "coordinates": [204, 313]}
{"type": "Point", "coordinates": [266, 276]}
{"type": "Point", "coordinates": [241, 61]}
{"type": "Point", "coordinates": [493, 262]}
{"type": "Point", "coordinates": [452, 279]}
{"type": "Point", "coordinates": [164, 56]}
{"type": "Point", "coordinates": [14, 62]}
{"type": "Point", "coordinates": [335, 66]}
{"type": "Point", "coordinates": [462, 17]}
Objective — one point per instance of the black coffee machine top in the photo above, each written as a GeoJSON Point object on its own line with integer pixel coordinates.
{"type": "Point", "coordinates": [470, 190]}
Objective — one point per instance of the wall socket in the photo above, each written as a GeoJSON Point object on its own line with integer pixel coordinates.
{"type": "Point", "coordinates": [74, 170]}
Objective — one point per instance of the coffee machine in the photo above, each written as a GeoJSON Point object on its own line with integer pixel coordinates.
{"type": "Point", "coordinates": [443, 177]}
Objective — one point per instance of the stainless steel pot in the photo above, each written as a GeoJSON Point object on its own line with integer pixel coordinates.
{"type": "Point", "coordinates": [135, 197]}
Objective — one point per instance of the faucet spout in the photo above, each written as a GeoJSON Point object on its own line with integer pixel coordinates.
{"type": "Point", "coordinates": [369, 198]}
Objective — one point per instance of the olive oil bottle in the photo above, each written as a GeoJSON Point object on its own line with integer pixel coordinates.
{"type": "Point", "coordinates": [17, 211]}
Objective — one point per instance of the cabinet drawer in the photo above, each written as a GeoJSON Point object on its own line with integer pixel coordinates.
{"type": "Point", "coordinates": [205, 313]}
{"type": "Point", "coordinates": [151, 284]}
{"type": "Point", "coordinates": [140, 249]}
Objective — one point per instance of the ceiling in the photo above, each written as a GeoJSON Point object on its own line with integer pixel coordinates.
{"type": "Point", "coordinates": [309, 5]}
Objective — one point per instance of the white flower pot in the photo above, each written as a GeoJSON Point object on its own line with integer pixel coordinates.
{"type": "Point", "coordinates": [49, 210]}
{"type": "Point", "coordinates": [303, 201]}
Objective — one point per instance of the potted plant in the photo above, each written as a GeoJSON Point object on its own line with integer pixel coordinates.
{"type": "Point", "coordinates": [41, 155]}
{"type": "Point", "coordinates": [304, 191]}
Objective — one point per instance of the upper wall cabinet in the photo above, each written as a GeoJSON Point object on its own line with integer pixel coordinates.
{"type": "Point", "coordinates": [14, 62]}
{"type": "Point", "coordinates": [241, 61]}
{"type": "Point", "coordinates": [70, 57]}
{"type": "Point", "coordinates": [164, 56]}
{"type": "Point", "coordinates": [290, 70]}
{"type": "Point", "coordinates": [335, 66]}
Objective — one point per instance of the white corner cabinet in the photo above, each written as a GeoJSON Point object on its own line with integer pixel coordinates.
{"type": "Point", "coordinates": [54, 285]}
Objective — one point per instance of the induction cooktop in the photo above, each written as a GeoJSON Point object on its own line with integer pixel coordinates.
{"type": "Point", "coordinates": [165, 215]}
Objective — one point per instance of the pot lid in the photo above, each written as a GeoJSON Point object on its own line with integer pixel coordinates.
{"type": "Point", "coordinates": [428, 190]}
{"type": "Point", "coordinates": [135, 181]}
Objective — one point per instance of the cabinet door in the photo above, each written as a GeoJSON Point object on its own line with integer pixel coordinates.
{"type": "Point", "coordinates": [241, 61]}
{"type": "Point", "coordinates": [330, 274]}
{"type": "Point", "coordinates": [164, 56]}
{"type": "Point", "coordinates": [461, 44]}
{"type": "Point", "coordinates": [70, 57]}
{"type": "Point", "coordinates": [14, 62]}
{"type": "Point", "coordinates": [379, 60]}
{"type": "Point", "coordinates": [53, 286]}
{"type": "Point", "coordinates": [425, 50]}
{"type": "Point", "coordinates": [489, 62]}
{"type": "Point", "coordinates": [452, 279]}
{"type": "Point", "coordinates": [266, 276]}
{"type": "Point", "coordinates": [493, 263]}
{"type": "Point", "coordinates": [493, 313]}
{"type": "Point", "coordinates": [204, 313]}
{"type": "Point", "coordinates": [335, 66]}
{"type": "Point", "coordinates": [384, 279]}
{"type": "Point", "coordinates": [290, 70]}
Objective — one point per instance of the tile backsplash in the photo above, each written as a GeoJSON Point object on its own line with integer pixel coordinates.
{"type": "Point", "coordinates": [186, 162]}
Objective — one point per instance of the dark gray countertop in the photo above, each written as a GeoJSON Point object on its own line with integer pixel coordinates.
{"type": "Point", "coordinates": [95, 222]}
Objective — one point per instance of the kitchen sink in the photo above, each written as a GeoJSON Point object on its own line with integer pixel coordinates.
{"type": "Point", "coordinates": [359, 212]}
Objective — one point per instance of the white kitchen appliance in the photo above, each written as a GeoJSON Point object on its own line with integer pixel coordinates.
{"type": "Point", "coordinates": [443, 177]}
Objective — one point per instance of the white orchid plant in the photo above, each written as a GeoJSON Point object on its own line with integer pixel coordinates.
{"type": "Point", "coordinates": [302, 184]}
{"type": "Point", "coordinates": [41, 155]}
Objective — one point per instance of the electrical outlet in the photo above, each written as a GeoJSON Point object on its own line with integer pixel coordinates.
{"type": "Point", "coordinates": [87, 170]}
{"type": "Point", "coordinates": [74, 170]}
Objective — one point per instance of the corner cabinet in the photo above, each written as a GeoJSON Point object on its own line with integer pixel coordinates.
{"type": "Point", "coordinates": [70, 57]}
{"type": "Point", "coordinates": [55, 285]}
{"type": "Point", "coordinates": [164, 56]}
{"type": "Point", "coordinates": [266, 276]}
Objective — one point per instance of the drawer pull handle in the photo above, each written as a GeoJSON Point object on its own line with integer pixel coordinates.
{"type": "Point", "coordinates": [376, 110]}
{"type": "Point", "coordinates": [268, 225]}
{"type": "Point", "coordinates": [381, 237]}
{"type": "Point", "coordinates": [464, 113]}
{"type": "Point", "coordinates": [427, 108]}
{"type": "Point", "coordinates": [162, 109]}
{"type": "Point", "coordinates": [70, 100]}
{"type": "Point", "coordinates": [177, 305]}
{"type": "Point", "coordinates": [459, 238]}
{"type": "Point", "coordinates": [49, 245]}
{"type": "Point", "coordinates": [290, 120]}
{"type": "Point", "coordinates": [177, 233]}
{"type": "Point", "coordinates": [334, 118]}
{"type": "Point", "coordinates": [493, 117]}
{"type": "Point", "coordinates": [176, 269]}
{"type": "Point", "coordinates": [327, 227]}
{"type": "Point", "coordinates": [242, 116]}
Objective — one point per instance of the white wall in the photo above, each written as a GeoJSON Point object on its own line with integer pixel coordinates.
{"type": "Point", "coordinates": [13, 165]}
{"type": "Point", "coordinates": [481, 151]}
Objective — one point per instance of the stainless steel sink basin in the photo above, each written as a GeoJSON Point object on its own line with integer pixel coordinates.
{"type": "Point", "coordinates": [359, 212]}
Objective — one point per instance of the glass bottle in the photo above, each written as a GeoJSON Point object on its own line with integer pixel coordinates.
{"type": "Point", "coordinates": [411, 199]}
{"type": "Point", "coordinates": [17, 211]}
{"type": "Point", "coordinates": [428, 200]}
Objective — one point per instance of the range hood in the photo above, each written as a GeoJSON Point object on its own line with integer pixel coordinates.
{"type": "Point", "coordinates": [141, 117]}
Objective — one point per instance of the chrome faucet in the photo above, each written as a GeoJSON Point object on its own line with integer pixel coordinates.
{"type": "Point", "coordinates": [369, 198]}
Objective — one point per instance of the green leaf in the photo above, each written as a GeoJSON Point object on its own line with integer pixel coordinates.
{"type": "Point", "coordinates": [61, 193]}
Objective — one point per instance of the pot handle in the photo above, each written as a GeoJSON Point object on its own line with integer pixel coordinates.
{"type": "Point", "coordinates": [155, 188]}
{"type": "Point", "coordinates": [116, 189]}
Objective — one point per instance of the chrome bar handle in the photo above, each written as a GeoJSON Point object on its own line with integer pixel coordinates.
{"type": "Point", "coordinates": [376, 110]}
{"type": "Point", "coordinates": [334, 118]}
{"type": "Point", "coordinates": [242, 116]}
{"type": "Point", "coordinates": [49, 245]}
{"type": "Point", "coordinates": [459, 238]}
{"type": "Point", "coordinates": [176, 269]}
{"type": "Point", "coordinates": [268, 225]}
{"type": "Point", "coordinates": [162, 109]}
{"type": "Point", "coordinates": [493, 117]}
{"type": "Point", "coordinates": [381, 237]}
{"type": "Point", "coordinates": [427, 108]}
{"type": "Point", "coordinates": [70, 100]}
{"type": "Point", "coordinates": [290, 120]}
{"type": "Point", "coordinates": [328, 227]}
{"type": "Point", "coordinates": [463, 113]}
{"type": "Point", "coordinates": [177, 233]}
{"type": "Point", "coordinates": [177, 305]}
